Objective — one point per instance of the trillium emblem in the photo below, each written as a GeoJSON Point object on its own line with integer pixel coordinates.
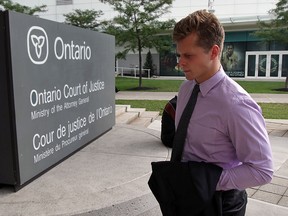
{"type": "Point", "coordinates": [37, 45]}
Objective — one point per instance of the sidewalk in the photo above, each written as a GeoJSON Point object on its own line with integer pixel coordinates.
{"type": "Point", "coordinates": [132, 95]}
{"type": "Point", "coordinates": [109, 178]}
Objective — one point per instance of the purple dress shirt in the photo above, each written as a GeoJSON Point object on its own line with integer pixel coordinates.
{"type": "Point", "coordinates": [227, 129]}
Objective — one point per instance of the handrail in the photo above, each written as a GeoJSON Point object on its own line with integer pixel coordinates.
{"type": "Point", "coordinates": [120, 70]}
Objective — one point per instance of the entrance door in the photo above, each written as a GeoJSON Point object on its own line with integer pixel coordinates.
{"type": "Point", "coordinates": [265, 64]}
{"type": "Point", "coordinates": [263, 68]}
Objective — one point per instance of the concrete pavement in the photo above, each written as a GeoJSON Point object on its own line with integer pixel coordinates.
{"type": "Point", "coordinates": [111, 171]}
{"type": "Point", "coordinates": [110, 175]}
{"type": "Point", "coordinates": [132, 95]}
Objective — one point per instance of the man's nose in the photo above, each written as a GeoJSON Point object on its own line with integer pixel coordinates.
{"type": "Point", "coordinates": [181, 62]}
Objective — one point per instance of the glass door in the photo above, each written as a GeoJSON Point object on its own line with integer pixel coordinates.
{"type": "Point", "coordinates": [274, 65]}
{"type": "Point", "coordinates": [262, 65]}
{"type": "Point", "coordinates": [251, 65]}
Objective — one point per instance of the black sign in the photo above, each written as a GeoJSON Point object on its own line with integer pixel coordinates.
{"type": "Point", "coordinates": [61, 91]}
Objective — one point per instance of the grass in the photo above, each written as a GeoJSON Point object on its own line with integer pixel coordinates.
{"type": "Point", "coordinates": [152, 85]}
{"type": "Point", "coordinates": [158, 85]}
{"type": "Point", "coordinates": [262, 86]}
{"type": "Point", "coordinates": [270, 110]}
{"type": "Point", "coordinates": [274, 110]}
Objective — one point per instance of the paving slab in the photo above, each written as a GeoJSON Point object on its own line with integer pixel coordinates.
{"type": "Point", "coordinates": [260, 208]}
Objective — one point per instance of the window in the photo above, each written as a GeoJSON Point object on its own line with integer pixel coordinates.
{"type": "Point", "coordinates": [64, 2]}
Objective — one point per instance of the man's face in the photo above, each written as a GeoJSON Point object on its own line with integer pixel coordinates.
{"type": "Point", "coordinates": [193, 59]}
{"type": "Point", "coordinates": [230, 50]}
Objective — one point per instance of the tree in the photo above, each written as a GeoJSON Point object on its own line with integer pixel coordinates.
{"type": "Point", "coordinates": [9, 5]}
{"type": "Point", "coordinates": [277, 29]}
{"type": "Point", "coordinates": [149, 63]}
{"type": "Point", "coordinates": [136, 26]}
{"type": "Point", "coordinates": [84, 19]}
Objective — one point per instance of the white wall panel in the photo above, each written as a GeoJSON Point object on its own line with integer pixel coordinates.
{"type": "Point", "coordinates": [181, 8]}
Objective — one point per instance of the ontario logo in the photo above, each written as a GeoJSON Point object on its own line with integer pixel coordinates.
{"type": "Point", "coordinates": [37, 45]}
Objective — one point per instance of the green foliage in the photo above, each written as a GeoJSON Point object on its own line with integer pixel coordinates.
{"type": "Point", "coordinates": [84, 19]}
{"type": "Point", "coordinates": [149, 63]}
{"type": "Point", "coordinates": [277, 29]}
{"type": "Point", "coordinates": [9, 5]}
{"type": "Point", "coordinates": [137, 25]}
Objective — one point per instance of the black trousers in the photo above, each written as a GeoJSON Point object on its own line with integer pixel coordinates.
{"type": "Point", "coordinates": [231, 203]}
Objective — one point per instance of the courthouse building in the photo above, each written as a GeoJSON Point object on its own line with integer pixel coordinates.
{"type": "Point", "coordinates": [243, 56]}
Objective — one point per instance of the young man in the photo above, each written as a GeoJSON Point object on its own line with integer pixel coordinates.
{"type": "Point", "coordinates": [226, 128]}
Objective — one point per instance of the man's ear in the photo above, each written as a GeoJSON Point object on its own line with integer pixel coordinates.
{"type": "Point", "coordinates": [215, 52]}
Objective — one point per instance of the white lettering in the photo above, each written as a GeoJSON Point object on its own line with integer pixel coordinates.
{"type": "Point", "coordinates": [43, 155]}
{"type": "Point", "coordinates": [68, 105]}
{"type": "Point", "coordinates": [42, 140]}
{"type": "Point", "coordinates": [96, 86]}
{"type": "Point", "coordinates": [69, 50]}
{"type": "Point", "coordinates": [61, 48]}
{"type": "Point", "coordinates": [76, 125]}
{"type": "Point", "coordinates": [45, 97]}
{"type": "Point", "coordinates": [83, 133]}
{"type": "Point", "coordinates": [69, 141]}
{"type": "Point", "coordinates": [40, 113]}
{"type": "Point", "coordinates": [72, 91]}
{"type": "Point", "coordinates": [83, 100]}
{"type": "Point", "coordinates": [102, 112]}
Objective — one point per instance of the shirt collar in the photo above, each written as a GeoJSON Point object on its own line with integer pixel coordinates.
{"type": "Point", "coordinates": [207, 85]}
